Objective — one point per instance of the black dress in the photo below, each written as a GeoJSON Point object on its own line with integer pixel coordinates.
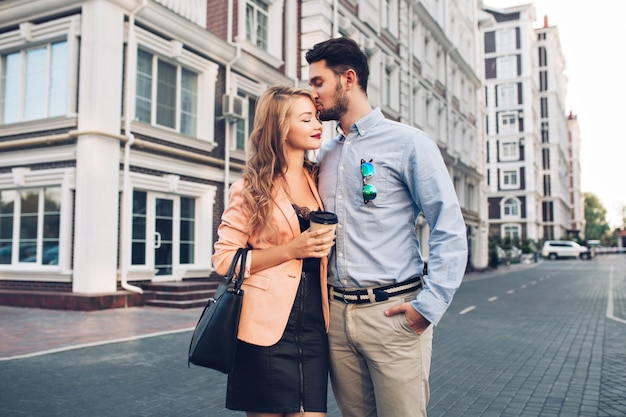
{"type": "Point", "coordinates": [292, 375]}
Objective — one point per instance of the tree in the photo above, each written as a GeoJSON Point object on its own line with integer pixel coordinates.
{"type": "Point", "coordinates": [596, 226]}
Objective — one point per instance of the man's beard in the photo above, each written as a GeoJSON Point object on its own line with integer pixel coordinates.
{"type": "Point", "coordinates": [339, 109]}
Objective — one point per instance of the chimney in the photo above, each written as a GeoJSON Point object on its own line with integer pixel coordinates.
{"type": "Point", "coordinates": [545, 21]}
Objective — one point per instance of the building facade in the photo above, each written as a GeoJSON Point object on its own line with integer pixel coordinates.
{"type": "Point", "coordinates": [124, 122]}
{"type": "Point", "coordinates": [533, 172]}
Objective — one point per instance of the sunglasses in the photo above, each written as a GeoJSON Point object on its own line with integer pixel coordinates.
{"type": "Point", "coordinates": [368, 171]}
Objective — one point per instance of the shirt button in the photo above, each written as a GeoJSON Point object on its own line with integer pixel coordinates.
{"type": "Point", "coordinates": [339, 197]}
{"type": "Point", "coordinates": [340, 254]}
{"type": "Point", "coordinates": [339, 225]}
{"type": "Point", "coordinates": [341, 168]}
{"type": "Point", "coordinates": [345, 282]}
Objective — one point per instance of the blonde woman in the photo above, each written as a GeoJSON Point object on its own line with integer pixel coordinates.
{"type": "Point", "coordinates": [281, 362]}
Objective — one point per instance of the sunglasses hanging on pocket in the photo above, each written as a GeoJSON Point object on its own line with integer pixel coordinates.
{"type": "Point", "coordinates": [367, 172]}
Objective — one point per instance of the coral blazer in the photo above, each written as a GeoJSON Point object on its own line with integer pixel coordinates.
{"type": "Point", "coordinates": [268, 294]}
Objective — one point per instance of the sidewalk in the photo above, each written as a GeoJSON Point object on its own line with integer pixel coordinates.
{"type": "Point", "coordinates": [32, 331]}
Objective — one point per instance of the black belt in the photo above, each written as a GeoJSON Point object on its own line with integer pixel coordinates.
{"type": "Point", "coordinates": [375, 294]}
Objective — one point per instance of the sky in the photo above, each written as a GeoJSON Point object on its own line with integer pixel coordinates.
{"type": "Point", "coordinates": [592, 37]}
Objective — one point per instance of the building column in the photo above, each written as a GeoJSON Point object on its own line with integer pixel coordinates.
{"type": "Point", "coordinates": [98, 150]}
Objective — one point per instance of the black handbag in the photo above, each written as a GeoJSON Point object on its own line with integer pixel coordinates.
{"type": "Point", "coordinates": [214, 339]}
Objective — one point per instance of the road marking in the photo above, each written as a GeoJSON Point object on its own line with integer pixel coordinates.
{"type": "Point", "coordinates": [467, 310]}
{"type": "Point", "coordinates": [609, 304]}
{"type": "Point", "coordinates": [492, 299]}
{"type": "Point", "coordinates": [100, 343]}
{"type": "Point", "coordinates": [533, 283]}
{"type": "Point", "coordinates": [510, 291]}
{"type": "Point", "coordinates": [523, 286]}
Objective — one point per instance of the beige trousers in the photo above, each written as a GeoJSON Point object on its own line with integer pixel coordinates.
{"type": "Point", "coordinates": [379, 365]}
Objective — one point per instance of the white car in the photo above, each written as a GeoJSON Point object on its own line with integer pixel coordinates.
{"type": "Point", "coordinates": [554, 249]}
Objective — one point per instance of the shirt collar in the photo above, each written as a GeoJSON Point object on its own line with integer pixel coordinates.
{"type": "Point", "coordinates": [363, 125]}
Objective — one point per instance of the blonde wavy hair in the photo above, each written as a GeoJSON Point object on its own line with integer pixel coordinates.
{"type": "Point", "coordinates": [267, 161]}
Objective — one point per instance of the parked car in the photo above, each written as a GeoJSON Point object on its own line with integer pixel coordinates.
{"type": "Point", "coordinates": [554, 249]}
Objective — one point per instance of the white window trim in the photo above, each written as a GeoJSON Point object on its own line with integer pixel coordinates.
{"type": "Point", "coordinates": [23, 178]}
{"type": "Point", "coordinates": [510, 216]}
{"type": "Point", "coordinates": [249, 87]}
{"type": "Point", "coordinates": [505, 40]}
{"type": "Point", "coordinates": [273, 55]}
{"type": "Point", "coordinates": [507, 95]}
{"type": "Point", "coordinates": [30, 35]}
{"type": "Point", "coordinates": [512, 146]}
{"type": "Point", "coordinates": [511, 225]}
{"type": "Point", "coordinates": [509, 128]}
{"type": "Point", "coordinates": [207, 77]}
{"type": "Point", "coordinates": [503, 174]}
{"type": "Point", "coordinates": [506, 67]}
{"type": "Point", "coordinates": [205, 201]}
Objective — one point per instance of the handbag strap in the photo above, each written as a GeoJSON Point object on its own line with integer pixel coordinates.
{"type": "Point", "coordinates": [240, 259]}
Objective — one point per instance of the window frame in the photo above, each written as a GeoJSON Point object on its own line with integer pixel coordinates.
{"type": "Point", "coordinates": [509, 179]}
{"type": "Point", "coordinates": [29, 36]}
{"type": "Point", "coordinates": [509, 150]}
{"type": "Point", "coordinates": [511, 208]}
{"type": "Point", "coordinates": [506, 40]}
{"type": "Point", "coordinates": [511, 226]}
{"type": "Point", "coordinates": [508, 123]}
{"type": "Point", "coordinates": [206, 72]}
{"type": "Point", "coordinates": [23, 179]}
{"type": "Point", "coordinates": [273, 54]}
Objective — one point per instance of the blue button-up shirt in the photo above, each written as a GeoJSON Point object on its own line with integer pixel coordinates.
{"type": "Point", "coordinates": [377, 242]}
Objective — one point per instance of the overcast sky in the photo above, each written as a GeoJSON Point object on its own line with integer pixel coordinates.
{"type": "Point", "coordinates": [593, 37]}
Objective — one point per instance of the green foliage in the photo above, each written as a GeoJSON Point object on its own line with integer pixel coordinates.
{"type": "Point", "coordinates": [595, 217]}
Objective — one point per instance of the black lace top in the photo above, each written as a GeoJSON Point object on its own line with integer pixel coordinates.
{"type": "Point", "coordinates": [304, 218]}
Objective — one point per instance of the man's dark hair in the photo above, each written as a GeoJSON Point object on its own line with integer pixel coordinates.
{"type": "Point", "coordinates": [340, 55]}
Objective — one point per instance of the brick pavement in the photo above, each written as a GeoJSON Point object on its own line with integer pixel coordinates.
{"type": "Point", "coordinates": [118, 370]}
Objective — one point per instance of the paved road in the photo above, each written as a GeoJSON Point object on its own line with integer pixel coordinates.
{"type": "Point", "coordinates": [545, 339]}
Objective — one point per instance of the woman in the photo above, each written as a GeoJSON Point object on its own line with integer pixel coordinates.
{"type": "Point", "coordinates": [281, 362]}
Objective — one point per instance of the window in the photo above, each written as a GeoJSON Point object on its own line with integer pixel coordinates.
{"type": "Point", "coordinates": [29, 226]}
{"type": "Point", "coordinates": [545, 136]}
{"type": "Point", "coordinates": [34, 83]}
{"type": "Point", "coordinates": [543, 57]}
{"type": "Point", "coordinates": [511, 232]}
{"type": "Point", "coordinates": [385, 12]}
{"type": "Point", "coordinates": [506, 67]}
{"type": "Point", "coordinates": [510, 208]}
{"type": "Point", "coordinates": [509, 179]}
{"type": "Point", "coordinates": [244, 126]}
{"type": "Point", "coordinates": [509, 151]}
{"type": "Point", "coordinates": [508, 123]}
{"type": "Point", "coordinates": [387, 87]}
{"type": "Point", "coordinates": [547, 187]}
{"type": "Point", "coordinates": [470, 197]}
{"type": "Point", "coordinates": [543, 80]}
{"type": "Point", "coordinates": [507, 95]}
{"type": "Point", "coordinates": [544, 107]}
{"type": "Point", "coordinates": [187, 230]}
{"type": "Point", "coordinates": [545, 152]}
{"type": "Point", "coordinates": [257, 16]}
{"type": "Point", "coordinates": [505, 40]}
{"type": "Point", "coordinates": [166, 95]}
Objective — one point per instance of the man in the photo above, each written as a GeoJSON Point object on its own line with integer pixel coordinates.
{"type": "Point", "coordinates": [377, 175]}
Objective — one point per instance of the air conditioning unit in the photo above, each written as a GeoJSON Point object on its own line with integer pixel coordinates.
{"type": "Point", "coordinates": [233, 106]}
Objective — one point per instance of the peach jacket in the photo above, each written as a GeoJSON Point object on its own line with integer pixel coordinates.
{"type": "Point", "coordinates": [268, 294]}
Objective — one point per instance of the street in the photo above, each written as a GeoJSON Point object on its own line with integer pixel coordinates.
{"type": "Point", "coordinates": [543, 339]}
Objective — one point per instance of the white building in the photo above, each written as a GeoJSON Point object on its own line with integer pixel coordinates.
{"type": "Point", "coordinates": [527, 130]}
{"type": "Point", "coordinates": [123, 122]}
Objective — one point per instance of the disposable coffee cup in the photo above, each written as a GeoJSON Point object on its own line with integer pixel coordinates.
{"type": "Point", "coordinates": [323, 220]}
